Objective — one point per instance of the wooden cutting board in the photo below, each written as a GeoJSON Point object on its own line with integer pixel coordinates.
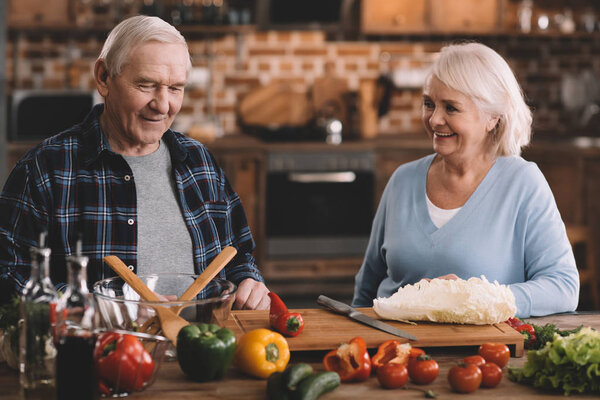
{"type": "Point", "coordinates": [325, 330]}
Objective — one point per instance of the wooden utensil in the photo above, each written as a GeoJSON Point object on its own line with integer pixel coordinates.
{"type": "Point", "coordinates": [170, 322]}
{"type": "Point", "coordinates": [217, 264]}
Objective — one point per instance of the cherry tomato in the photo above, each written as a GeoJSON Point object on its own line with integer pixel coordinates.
{"type": "Point", "coordinates": [497, 353]}
{"type": "Point", "coordinates": [423, 369]}
{"type": "Point", "coordinates": [392, 375]}
{"type": "Point", "coordinates": [477, 360]}
{"type": "Point", "coordinates": [465, 378]}
{"type": "Point", "coordinates": [415, 352]}
{"type": "Point", "coordinates": [492, 375]}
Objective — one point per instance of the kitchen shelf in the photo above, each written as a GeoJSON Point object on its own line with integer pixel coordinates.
{"type": "Point", "coordinates": [505, 33]}
{"type": "Point", "coordinates": [191, 30]}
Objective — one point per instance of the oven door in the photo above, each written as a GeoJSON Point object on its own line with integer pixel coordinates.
{"type": "Point", "coordinates": [319, 213]}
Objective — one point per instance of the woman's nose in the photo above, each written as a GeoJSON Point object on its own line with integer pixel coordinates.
{"type": "Point", "coordinates": [436, 118]}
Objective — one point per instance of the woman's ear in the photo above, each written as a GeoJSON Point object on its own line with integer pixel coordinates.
{"type": "Point", "coordinates": [492, 123]}
{"type": "Point", "coordinates": [101, 77]}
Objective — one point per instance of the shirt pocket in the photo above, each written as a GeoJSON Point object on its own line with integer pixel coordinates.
{"type": "Point", "coordinates": [216, 227]}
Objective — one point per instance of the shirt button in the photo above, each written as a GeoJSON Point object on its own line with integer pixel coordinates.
{"type": "Point", "coordinates": [130, 221]}
{"type": "Point", "coordinates": [127, 178]}
{"type": "Point", "coordinates": [130, 267]}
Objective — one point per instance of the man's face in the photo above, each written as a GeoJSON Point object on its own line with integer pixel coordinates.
{"type": "Point", "coordinates": [142, 101]}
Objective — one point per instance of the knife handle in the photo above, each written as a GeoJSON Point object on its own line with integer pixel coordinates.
{"type": "Point", "coordinates": [334, 305]}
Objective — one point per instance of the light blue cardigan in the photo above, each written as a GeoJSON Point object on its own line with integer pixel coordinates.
{"type": "Point", "coordinates": [509, 230]}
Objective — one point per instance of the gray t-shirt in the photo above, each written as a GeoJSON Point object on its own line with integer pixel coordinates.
{"type": "Point", "coordinates": [164, 242]}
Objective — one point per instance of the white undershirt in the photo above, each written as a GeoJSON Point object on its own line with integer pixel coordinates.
{"type": "Point", "coordinates": [439, 216]}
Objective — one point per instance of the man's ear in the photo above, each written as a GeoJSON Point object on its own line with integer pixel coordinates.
{"type": "Point", "coordinates": [101, 77]}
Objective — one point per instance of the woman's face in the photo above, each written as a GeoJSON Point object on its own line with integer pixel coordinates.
{"type": "Point", "coordinates": [458, 128]}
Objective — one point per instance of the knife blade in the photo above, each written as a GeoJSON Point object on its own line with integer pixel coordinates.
{"type": "Point", "coordinates": [356, 315]}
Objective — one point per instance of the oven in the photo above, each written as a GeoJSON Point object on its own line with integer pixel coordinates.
{"type": "Point", "coordinates": [319, 204]}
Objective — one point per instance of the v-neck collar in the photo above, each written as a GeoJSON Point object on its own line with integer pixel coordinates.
{"type": "Point", "coordinates": [433, 232]}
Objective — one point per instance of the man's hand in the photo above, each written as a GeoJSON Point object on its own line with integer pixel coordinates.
{"type": "Point", "coordinates": [251, 295]}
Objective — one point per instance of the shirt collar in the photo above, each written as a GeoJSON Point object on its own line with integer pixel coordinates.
{"type": "Point", "coordinates": [95, 143]}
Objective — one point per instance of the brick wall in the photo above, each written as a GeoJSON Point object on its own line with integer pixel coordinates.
{"type": "Point", "coordinates": [239, 63]}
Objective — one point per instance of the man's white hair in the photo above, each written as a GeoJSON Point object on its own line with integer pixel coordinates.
{"type": "Point", "coordinates": [133, 32]}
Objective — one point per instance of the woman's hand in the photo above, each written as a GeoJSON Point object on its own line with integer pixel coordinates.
{"type": "Point", "coordinates": [450, 277]}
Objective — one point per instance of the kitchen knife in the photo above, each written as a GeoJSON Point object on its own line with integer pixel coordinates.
{"type": "Point", "coordinates": [356, 315]}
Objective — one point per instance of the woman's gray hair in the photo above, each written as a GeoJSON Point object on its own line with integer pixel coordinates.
{"type": "Point", "coordinates": [482, 74]}
{"type": "Point", "coordinates": [133, 32]}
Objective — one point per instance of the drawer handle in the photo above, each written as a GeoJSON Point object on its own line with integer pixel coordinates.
{"type": "Point", "coordinates": [322, 177]}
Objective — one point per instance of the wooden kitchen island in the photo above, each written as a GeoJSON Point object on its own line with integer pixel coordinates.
{"type": "Point", "coordinates": [172, 384]}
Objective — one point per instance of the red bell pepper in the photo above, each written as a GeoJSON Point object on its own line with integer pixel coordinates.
{"type": "Point", "coordinates": [391, 351]}
{"type": "Point", "coordinates": [122, 362]}
{"type": "Point", "coordinates": [350, 360]}
{"type": "Point", "coordinates": [529, 332]}
{"type": "Point", "coordinates": [514, 322]}
{"type": "Point", "coordinates": [283, 321]}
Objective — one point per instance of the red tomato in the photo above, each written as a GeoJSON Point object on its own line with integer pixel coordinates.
{"type": "Point", "coordinates": [498, 353]}
{"type": "Point", "coordinates": [492, 375]}
{"type": "Point", "coordinates": [423, 369]}
{"type": "Point", "coordinates": [477, 360]}
{"type": "Point", "coordinates": [392, 375]}
{"type": "Point", "coordinates": [415, 352]}
{"type": "Point", "coordinates": [465, 378]}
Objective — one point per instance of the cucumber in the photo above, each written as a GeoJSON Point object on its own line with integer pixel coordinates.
{"type": "Point", "coordinates": [312, 387]}
{"type": "Point", "coordinates": [276, 390]}
{"type": "Point", "coordinates": [295, 373]}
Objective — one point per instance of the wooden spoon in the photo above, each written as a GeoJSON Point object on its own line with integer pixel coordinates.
{"type": "Point", "coordinates": [216, 265]}
{"type": "Point", "coordinates": [170, 322]}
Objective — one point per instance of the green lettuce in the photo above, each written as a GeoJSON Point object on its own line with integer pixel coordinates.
{"type": "Point", "coordinates": [570, 364]}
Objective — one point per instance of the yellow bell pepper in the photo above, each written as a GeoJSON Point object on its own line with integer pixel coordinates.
{"type": "Point", "coordinates": [262, 352]}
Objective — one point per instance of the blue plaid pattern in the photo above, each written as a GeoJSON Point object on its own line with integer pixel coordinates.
{"type": "Point", "coordinates": [73, 183]}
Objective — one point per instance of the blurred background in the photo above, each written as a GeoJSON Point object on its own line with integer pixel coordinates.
{"type": "Point", "coordinates": [309, 106]}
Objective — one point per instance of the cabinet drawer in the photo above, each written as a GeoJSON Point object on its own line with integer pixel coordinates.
{"type": "Point", "coordinates": [393, 16]}
{"type": "Point", "coordinates": [464, 15]}
{"type": "Point", "coordinates": [311, 268]}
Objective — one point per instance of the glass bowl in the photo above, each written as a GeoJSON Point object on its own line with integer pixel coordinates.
{"type": "Point", "coordinates": [127, 362]}
{"type": "Point", "coordinates": [122, 308]}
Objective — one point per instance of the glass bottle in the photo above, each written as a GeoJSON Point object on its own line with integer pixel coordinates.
{"type": "Point", "coordinates": [75, 376]}
{"type": "Point", "coordinates": [37, 352]}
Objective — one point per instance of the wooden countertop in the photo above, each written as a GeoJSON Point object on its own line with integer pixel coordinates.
{"type": "Point", "coordinates": [240, 143]}
{"type": "Point", "coordinates": [382, 143]}
{"type": "Point", "coordinates": [171, 383]}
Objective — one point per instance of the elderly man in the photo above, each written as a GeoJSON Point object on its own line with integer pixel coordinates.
{"type": "Point", "coordinates": [130, 185]}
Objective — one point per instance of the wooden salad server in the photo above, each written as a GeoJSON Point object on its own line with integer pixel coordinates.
{"type": "Point", "coordinates": [216, 265]}
{"type": "Point", "coordinates": [170, 322]}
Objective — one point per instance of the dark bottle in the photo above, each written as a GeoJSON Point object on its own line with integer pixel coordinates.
{"type": "Point", "coordinates": [37, 352]}
{"type": "Point", "coordinates": [75, 376]}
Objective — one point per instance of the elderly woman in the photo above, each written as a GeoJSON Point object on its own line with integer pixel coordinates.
{"type": "Point", "coordinates": [474, 207]}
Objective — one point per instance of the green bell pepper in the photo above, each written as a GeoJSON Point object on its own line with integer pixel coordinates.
{"type": "Point", "coordinates": [205, 351]}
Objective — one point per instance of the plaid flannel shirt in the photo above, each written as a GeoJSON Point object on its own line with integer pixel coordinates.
{"type": "Point", "coordinates": [73, 183]}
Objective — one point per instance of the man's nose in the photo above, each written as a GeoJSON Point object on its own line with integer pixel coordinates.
{"type": "Point", "coordinates": [160, 102]}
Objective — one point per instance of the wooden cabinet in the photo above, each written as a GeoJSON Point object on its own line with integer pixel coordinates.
{"type": "Point", "coordinates": [572, 173]}
{"type": "Point", "coordinates": [430, 16]}
{"type": "Point", "coordinates": [393, 16]}
{"type": "Point", "coordinates": [472, 16]}
{"type": "Point", "coordinates": [564, 171]}
{"type": "Point", "coordinates": [244, 172]}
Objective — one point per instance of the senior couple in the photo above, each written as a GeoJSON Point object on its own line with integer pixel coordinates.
{"type": "Point", "coordinates": [157, 199]}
